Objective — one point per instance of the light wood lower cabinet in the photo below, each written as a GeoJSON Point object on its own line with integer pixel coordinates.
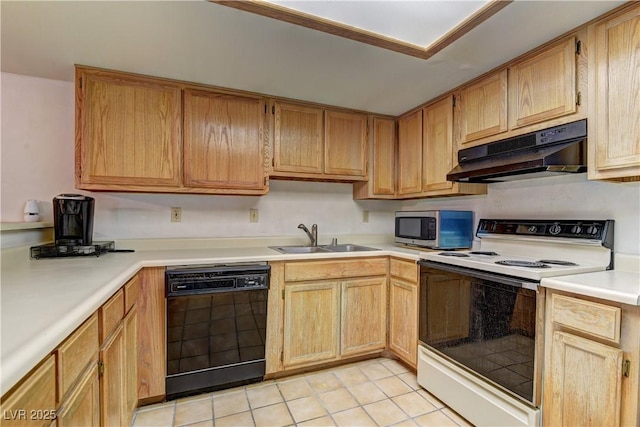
{"type": "Point", "coordinates": [33, 402]}
{"type": "Point", "coordinates": [329, 310]}
{"type": "Point", "coordinates": [112, 378]}
{"type": "Point", "coordinates": [364, 319]}
{"type": "Point", "coordinates": [82, 408]}
{"type": "Point", "coordinates": [130, 331]}
{"type": "Point", "coordinates": [311, 323]}
{"type": "Point", "coordinates": [592, 359]}
{"type": "Point", "coordinates": [403, 309]}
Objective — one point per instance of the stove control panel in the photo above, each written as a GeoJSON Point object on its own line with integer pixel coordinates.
{"type": "Point", "coordinates": [592, 230]}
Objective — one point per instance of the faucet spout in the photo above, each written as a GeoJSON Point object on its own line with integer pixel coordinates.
{"type": "Point", "coordinates": [313, 234]}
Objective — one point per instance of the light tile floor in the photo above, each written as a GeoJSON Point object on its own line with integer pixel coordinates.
{"type": "Point", "coordinates": [378, 392]}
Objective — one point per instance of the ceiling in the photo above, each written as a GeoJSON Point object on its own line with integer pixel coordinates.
{"type": "Point", "coordinates": [209, 43]}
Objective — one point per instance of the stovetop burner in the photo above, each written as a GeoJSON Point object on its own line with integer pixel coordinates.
{"type": "Point", "coordinates": [520, 263]}
{"type": "Point", "coordinates": [488, 253]}
{"type": "Point", "coordinates": [557, 262]}
{"type": "Point", "coordinates": [456, 254]}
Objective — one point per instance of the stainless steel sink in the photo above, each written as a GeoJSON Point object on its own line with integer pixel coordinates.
{"type": "Point", "coordinates": [349, 247]}
{"type": "Point", "coordinates": [299, 249]}
{"type": "Point", "coordinates": [321, 249]}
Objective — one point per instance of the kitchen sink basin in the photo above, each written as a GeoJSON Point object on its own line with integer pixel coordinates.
{"type": "Point", "coordinates": [349, 247]}
{"type": "Point", "coordinates": [299, 249]}
{"type": "Point", "coordinates": [321, 249]}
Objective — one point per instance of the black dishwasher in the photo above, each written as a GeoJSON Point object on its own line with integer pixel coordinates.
{"type": "Point", "coordinates": [216, 326]}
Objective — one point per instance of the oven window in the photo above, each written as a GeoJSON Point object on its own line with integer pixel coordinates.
{"type": "Point", "coordinates": [488, 327]}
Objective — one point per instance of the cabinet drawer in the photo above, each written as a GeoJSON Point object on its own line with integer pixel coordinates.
{"type": "Point", "coordinates": [596, 319]}
{"type": "Point", "coordinates": [33, 402]}
{"type": "Point", "coordinates": [111, 314]}
{"type": "Point", "coordinates": [75, 353]}
{"type": "Point", "coordinates": [131, 293]}
{"type": "Point", "coordinates": [401, 269]}
{"type": "Point", "coordinates": [318, 270]}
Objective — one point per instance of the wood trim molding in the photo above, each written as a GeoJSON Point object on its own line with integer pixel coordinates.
{"type": "Point", "coordinates": [291, 16]}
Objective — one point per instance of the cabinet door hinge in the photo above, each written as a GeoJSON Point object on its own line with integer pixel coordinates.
{"type": "Point", "coordinates": [626, 367]}
{"type": "Point", "coordinates": [273, 162]}
{"type": "Point", "coordinates": [454, 101]}
{"type": "Point", "coordinates": [273, 109]}
{"type": "Point", "coordinates": [265, 108]}
{"type": "Point", "coordinates": [80, 82]}
{"type": "Point", "coordinates": [579, 98]}
{"type": "Point", "coordinates": [100, 368]}
{"type": "Point", "coordinates": [578, 47]}
{"type": "Point", "coordinates": [283, 294]}
{"type": "Point", "coordinates": [282, 356]}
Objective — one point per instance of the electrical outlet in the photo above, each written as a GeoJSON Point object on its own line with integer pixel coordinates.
{"type": "Point", "coordinates": [176, 214]}
{"type": "Point", "coordinates": [253, 215]}
{"type": "Point", "coordinates": [365, 216]}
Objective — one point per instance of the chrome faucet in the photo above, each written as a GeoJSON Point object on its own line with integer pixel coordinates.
{"type": "Point", "coordinates": [313, 234]}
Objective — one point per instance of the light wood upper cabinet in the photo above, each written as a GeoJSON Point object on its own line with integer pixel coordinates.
{"type": "Point", "coordinates": [311, 323]}
{"type": "Point", "coordinates": [543, 87]}
{"type": "Point", "coordinates": [363, 324]}
{"type": "Point", "coordinates": [438, 147]}
{"type": "Point", "coordinates": [482, 108]}
{"type": "Point", "coordinates": [223, 140]}
{"type": "Point", "coordinates": [128, 131]}
{"type": "Point", "coordinates": [298, 138]}
{"type": "Point", "coordinates": [614, 96]}
{"type": "Point", "coordinates": [382, 154]}
{"type": "Point", "coordinates": [345, 143]}
{"type": "Point", "coordinates": [316, 143]}
{"type": "Point", "coordinates": [410, 153]}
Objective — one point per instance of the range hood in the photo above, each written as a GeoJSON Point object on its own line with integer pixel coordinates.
{"type": "Point", "coordinates": [553, 151]}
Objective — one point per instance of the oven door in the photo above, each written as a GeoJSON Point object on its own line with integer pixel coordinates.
{"type": "Point", "coordinates": [484, 323]}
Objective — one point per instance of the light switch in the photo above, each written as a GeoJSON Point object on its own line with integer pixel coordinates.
{"type": "Point", "coordinates": [253, 215]}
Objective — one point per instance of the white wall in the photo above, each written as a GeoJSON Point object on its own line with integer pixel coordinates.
{"type": "Point", "coordinates": [37, 139]}
{"type": "Point", "coordinates": [562, 197]}
{"type": "Point", "coordinates": [38, 160]}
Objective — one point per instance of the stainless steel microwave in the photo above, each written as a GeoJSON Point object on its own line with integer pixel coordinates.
{"type": "Point", "coordinates": [439, 229]}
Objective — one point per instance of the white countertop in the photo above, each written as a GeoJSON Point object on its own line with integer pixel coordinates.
{"type": "Point", "coordinates": [622, 284]}
{"type": "Point", "coordinates": [43, 301]}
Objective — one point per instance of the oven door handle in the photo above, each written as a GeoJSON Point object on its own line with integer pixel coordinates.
{"type": "Point", "coordinates": [511, 281]}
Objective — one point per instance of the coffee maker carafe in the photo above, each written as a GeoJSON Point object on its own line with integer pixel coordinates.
{"type": "Point", "coordinates": [73, 219]}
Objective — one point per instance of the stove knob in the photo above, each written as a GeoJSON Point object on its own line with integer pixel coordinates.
{"type": "Point", "coordinates": [592, 229]}
{"type": "Point", "coordinates": [532, 229]}
{"type": "Point", "coordinates": [555, 229]}
{"type": "Point", "coordinates": [576, 229]}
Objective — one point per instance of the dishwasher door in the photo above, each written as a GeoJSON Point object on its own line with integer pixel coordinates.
{"type": "Point", "coordinates": [216, 335]}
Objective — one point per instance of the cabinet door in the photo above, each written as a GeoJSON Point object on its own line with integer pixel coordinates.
{"type": "Point", "coordinates": [82, 408]}
{"type": "Point", "coordinates": [384, 156]}
{"type": "Point", "coordinates": [614, 105]}
{"type": "Point", "coordinates": [298, 139]}
{"type": "Point", "coordinates": [403, 319]}
{"type": "Point", "coordinates": [311, 323]}
{"type": "Point", "coordinates": [410, 153]}
{"type": "Point", "coordinates": [33, 403]}
{"type": "Point", "coordinates": [482, 109]}
{"type": "Point", "coordinates": [583, 383]}
{"type": "Point", "coordinates": [364, 319]}
{"type": "Point", "coordinates": [112, 379]}
{"type": "Point", "coordinates": [130, 400]}
{"type": "Point", "coordinates": [223, 141]}
{"type": "Point", "coordinates": [345, 143]}
{"type": "Point", "coordinates": [129, 131]}
{"type": "Point", "coordinates": [437, 145]}
{"type": "Point", "coordinates": [543, 87]}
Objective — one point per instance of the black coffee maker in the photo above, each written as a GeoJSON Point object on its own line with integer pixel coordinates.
{"type": "Point", "coordinates": [73, 219]}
